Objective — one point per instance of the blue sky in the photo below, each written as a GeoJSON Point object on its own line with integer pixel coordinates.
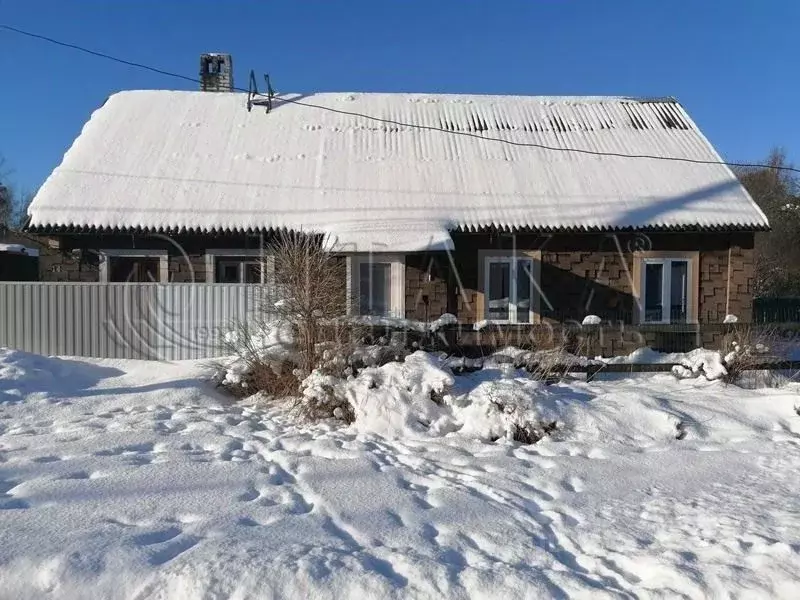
{"type": "Point", "coordinates": [731, 63]}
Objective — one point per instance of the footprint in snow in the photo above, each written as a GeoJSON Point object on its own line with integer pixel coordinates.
{"type": "Point", "coordinates": [7, 499]}
{"type": "Point", "coordinates": [47, 459]}
{"type": "Point", "coordinates": [76, 475]}
{"type": "Point", "coordinates": [573, 484]}
{"type": "Point", "coordinates": [278, 475]}
{"type": "Point", "coordinates": [173, 550]}
{"type": "Point", "coordinates": [157, 537]}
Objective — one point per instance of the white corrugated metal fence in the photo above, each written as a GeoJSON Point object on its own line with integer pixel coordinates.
{"type": "Point", "coordinates": [126, 320]}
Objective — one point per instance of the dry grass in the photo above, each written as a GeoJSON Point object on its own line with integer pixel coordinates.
{"type": "Point", "coordinates": [554, 358]}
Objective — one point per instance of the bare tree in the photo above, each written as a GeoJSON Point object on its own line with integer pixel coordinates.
{"type": "Point", "coordinates": [6, 196]}
{"type": "Point", "coordinates": [13, 204]}
{"type": "Point", "coordinates": [6, 206]}
{"type": "Point", "coordinates": [312, 284]}
{"type": "Point", "coordinates": [777, 192]}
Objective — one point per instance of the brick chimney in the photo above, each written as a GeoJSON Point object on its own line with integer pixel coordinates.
{"type": "Point", "coordinates": [216, 72]}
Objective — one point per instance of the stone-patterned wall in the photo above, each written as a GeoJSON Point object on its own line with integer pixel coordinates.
{"type": "Point", "coordinates": [742, 281]}
{"type": "Point", "coordinates": [64, 266]}
{"type": "Point", "coordinates": [427, 279]}
{"type": "Point", "coordinates": [714, 285]}
{"type": "Point", "coordinates": [575, 284]}
{"type": "Point", "coordinates": [187, 253]}
{"type": "Point", "coordinates": [586, 274]}
{"type": "Point", "coordinates": [187, 269]}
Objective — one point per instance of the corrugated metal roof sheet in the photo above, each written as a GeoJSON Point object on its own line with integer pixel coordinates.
{"type": "Point", "coordinates": [167, 160]}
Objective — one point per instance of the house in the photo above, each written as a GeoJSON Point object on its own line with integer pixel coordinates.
{"type": "Point", "coordinates": [507, 209]}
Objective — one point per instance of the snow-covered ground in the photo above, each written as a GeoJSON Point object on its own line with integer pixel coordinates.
{"type": "Point", "coordinates": [127, 479]}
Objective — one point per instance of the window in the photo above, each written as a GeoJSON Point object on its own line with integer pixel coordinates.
{"type": "Point", "coordinates": [665, 290]}
{"type": "Point", "coordinates": [378, 285]}
{"type": "Point", "coordinates": [508, 289]}
{"type": "Point", "coordinates": [237, 270]}
{"type": "Point", "coordinates": [238, 266]}
{"type": "Point", "coordinates": [134, 266]}
{"type": "Point", "coordinates": [374, 288]}
{"type": "Point", "coordinates": [133, 269]}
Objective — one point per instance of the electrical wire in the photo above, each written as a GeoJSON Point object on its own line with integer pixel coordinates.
{"type": "Point", "coordinates": [400, 123]}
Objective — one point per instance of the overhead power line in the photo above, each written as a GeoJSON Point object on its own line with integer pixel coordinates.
{"type": "Point", "coordinates": [401, 123]}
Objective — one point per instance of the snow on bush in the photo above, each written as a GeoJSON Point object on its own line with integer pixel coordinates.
{"type": "Point", "coordinates": [500, 408]}
{"type": "Point", "coordinates": [708, 363]}
{"type": "Point", "coordinates": [397, 399]}
{"type": "Point", "coordinates": [480, 325]}
{"type": "Point", "coordinates": [266, 344]}
{"type": "Point", "coordinates": [697, 363]}
{"type": "Point", "coordinates": [730, 319]}
{"type": "Point", "coordinates": [444, 320]}
{"type": "Point", "coordinates": [420, 397]}
{"type": "Point", "coordinates": [591, 320]}
{"type": "Point", "coordinates": [410, 324]}
{"type": "Point", "coordinates": [401, 399]}
{"type": "Point", "coordinates": [546, 365]}
{"type": "Point", "coordinates": [645, 356]}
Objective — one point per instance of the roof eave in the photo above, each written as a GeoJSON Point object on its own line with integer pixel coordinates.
{"type": "Point", "coordinates": [93, 230]}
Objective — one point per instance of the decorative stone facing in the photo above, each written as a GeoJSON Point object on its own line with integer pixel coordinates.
{"type": "Point", "coordinates": [575, 284]}
{"type": "Point", "coordinates": [727, 289]}
{"type": "Point", "coordinates": [64, 266]}
{"type": "Point", "coordinates": [591, 281]}
{"type": "Point", "coordinates": [427, 279]}
{"type": "Point", "coordinates": [187, 269]}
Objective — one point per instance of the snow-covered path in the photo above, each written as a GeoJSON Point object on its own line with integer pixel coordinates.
{"type": "Point", "coordinates": [135, 480]}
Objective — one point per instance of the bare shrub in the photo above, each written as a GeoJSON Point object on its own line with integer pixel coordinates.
{"type": "Point", "coordinates": [323, 399]}
{"type": "Point", "coordinates": [313, 286]}
{"type": "Point", "coordinates": [531, 433]}
{"type": "Point", "coordinates": [747, 347]}
{"type": "Point", "coordinates": [306, 330]}
{"type": "Point", "coordinates": [554, 358]}
{"type": "Point", "coordinates": [276, 379]}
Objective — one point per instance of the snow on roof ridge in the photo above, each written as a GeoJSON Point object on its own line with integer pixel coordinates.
{"type": "Point", "coordinates": [354, 95]}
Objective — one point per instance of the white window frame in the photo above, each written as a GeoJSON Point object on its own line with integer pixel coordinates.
{"type": "Point", "coordinates": [511, 260]}
{"type": "Point", "coordinates": [666, 288]}
{"type": "Point", "coordinates": [259, 255]}
{"type": "Point", "coordinates": [397, 281]}
{"type": "Point", "coordinates": [161, 255]}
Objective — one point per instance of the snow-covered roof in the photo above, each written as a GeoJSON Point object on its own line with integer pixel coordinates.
{"type": "Point", "coordinates": [200, 161]}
